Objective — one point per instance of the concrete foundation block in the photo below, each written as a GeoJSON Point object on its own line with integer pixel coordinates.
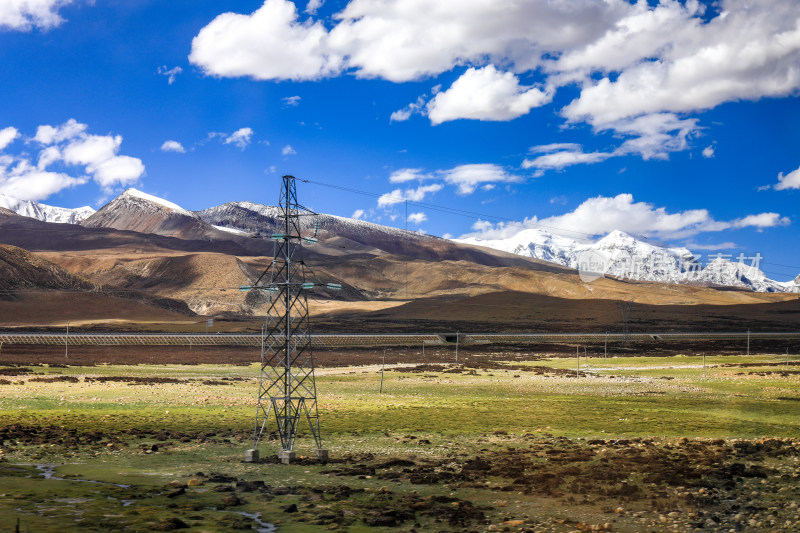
{"type": "Point", "coordinates": [286, 456]}
{"type": "Point", "coordinates": [251, 456]}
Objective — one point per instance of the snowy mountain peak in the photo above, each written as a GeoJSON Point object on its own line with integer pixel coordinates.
{"type": "Point", "coordinates": [624, 256]}
{"type": "Point", "coordinates": [136, 193]}
{"type": "Point", "coordinates": [45, 213]}
{"type": "Point", "coordinates": [617, 237]}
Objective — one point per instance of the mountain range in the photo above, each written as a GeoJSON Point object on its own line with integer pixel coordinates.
{"type": "Point", "coordinates": [45, 213]}
{"type": "Point", "coordinates": [142, 249]}
{"type": "Point", "coordinates": [617, 254]}
{"type": "Point", "coordinates": [623, 256]}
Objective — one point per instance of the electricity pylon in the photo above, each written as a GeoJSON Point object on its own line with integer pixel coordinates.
{"type": "Point", "coordinates": [286, 386]}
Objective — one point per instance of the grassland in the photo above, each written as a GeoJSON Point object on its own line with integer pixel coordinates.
{"type": "Point", "coordinates": [621, 444]}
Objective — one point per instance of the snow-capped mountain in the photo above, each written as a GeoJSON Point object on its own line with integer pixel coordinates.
{"type": "Point", "coordinates": [253, 218]}
{"type": "Point", "coordinates": [621, 255]}
{"type": "Point", "coordinates": [135, 210]}
{"type": "Point", "coordinates": [46, 213]}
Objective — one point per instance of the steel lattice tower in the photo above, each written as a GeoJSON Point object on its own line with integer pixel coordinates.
{"type": "Point", "coordinates": [287, 387]}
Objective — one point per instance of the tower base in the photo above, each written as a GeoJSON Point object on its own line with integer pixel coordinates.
{"type": "Point", "coordinates": [286, 456]}
{"type": "Point", "coordinates": [251, 456]}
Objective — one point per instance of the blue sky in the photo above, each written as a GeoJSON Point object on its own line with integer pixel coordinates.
{"type": "Point", "coordinates": [677, 121]}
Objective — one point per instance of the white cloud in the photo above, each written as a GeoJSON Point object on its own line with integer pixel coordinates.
{"type": "Point", "coordinates": [240, 137]}
{"type": "Point", "coordinates": [7, 136]}
{"type": "Point", "coordinates": [417, 218]}
{"type": "Point", "coordinates": [708, 152]}
{"type": "Point", "coordinates": [55, 134]}
{"type": "Point", "coordinates": [171, 73]}
{"type": "Point", "coordinates": [93, 157]}
{"type": "Point", "coordinates": [650, 136]}
{"type": "Point", "coordinates": [719, 246]}
{"type": "Point", "coordinates": [48, 156]}
{"type": "Point", "coordinates": [555, 147]}
{"type": "Point", "coordinates": [118, 170]}
{"type": "Point", "coordinates": [288, 150]}
{"type": "Point", "coordinates": [358, 214]}
{"type": "Point", "coordinates": [25, 182]}
{"type": "Point", "coordinates": [468, 177]}
{"type": "Point", "coordinates": [91, 149]}
{"type": "Point", "coordinates": [637, 66]}
{"type": "Point", "coordinates": [268, 44]}
{"type": "Point", "coordinates": [173, 146]}
{"type": "Point", "coordinates": [392, 40]}
{"type": "Point", "coordinates": [313, 5]}
{"type": "Point", "coordinates": [601, 215]}
{"type": "Point", "coordinates": [23, 15]}
{"type": "Point", "coordinates": [398, 196]}
{"type": "Point", "coordinates": [291, 101]}
{"type": "Point", "coordinates": [485, 94]}
{"type": "Point", "coordinates": [562, 155]}
{"type": "Point", "coordinates": [749, 51]}
{"type": "Point", "coordinates": [789, 181]}
{"type": "Point", "coordinates": [654, 136]}
{"type": "Point", "coordinates": [762, 220]}
{"type": "Point", "coordinates": [401, 115]}
{"type": "Point", "coordinates": [408, 174]}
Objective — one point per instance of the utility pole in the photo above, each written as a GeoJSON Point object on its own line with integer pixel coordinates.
{"type": "Point", "coordinates": [383, 365]}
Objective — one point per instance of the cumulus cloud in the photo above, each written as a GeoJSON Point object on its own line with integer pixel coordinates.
{"type": "Point", "coordinates": [240, 138]}
{"type": "Point", "coordinates": [268, 44]}
{"type": "Point", "coordinates": [173, 146]}
{"type": "Point", "coordinates": [749, 51]}
{"type": "Point", "coordinates": [485, 94]}
{"type": "Point", "coordinates": [601, 215]}
{"type": "Point", "coordinates": [7, 136]}
{"type": "Point", "coordinates": [398, 196]}
{"type": "Point", "coordinates": [417, 218]}
{"type": "Point", "coordinates": [47, 134]}
{"type": "Point", "coordinates": [171, 73]}
{"type": "Point", "coordinates": [23, 15]}
{"type": "Point", "coordinates": [788, 181]}
{"type": "Point", "coordinates": [291, 101]}
{"type": "Point", "coordinates": [708, 152]}
{"type": "Point", "coordinates": [313, 5]}
{"type": "Point", "coordinates": [468, 177]}
{"type": "Point", "coordinates": [79, 157]}
{"type": "Point", "coordinates": [288, 150]}
{"type": "Point", "coordinates": [640, 69]}
{"type": "Point", "coordinates": [358, 214]}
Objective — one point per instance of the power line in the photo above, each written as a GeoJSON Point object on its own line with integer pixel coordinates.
{"type": "Point", "coordinates": [472, 214]}
{"type": "Point", "coordinates": [444, 209]}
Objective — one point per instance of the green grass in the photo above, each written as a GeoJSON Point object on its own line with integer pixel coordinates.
{"type": "Point", "coordinates": [456, 413]}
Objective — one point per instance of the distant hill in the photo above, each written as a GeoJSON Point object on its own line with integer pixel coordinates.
{"type": "Point", "coordinates": [19, 269]}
